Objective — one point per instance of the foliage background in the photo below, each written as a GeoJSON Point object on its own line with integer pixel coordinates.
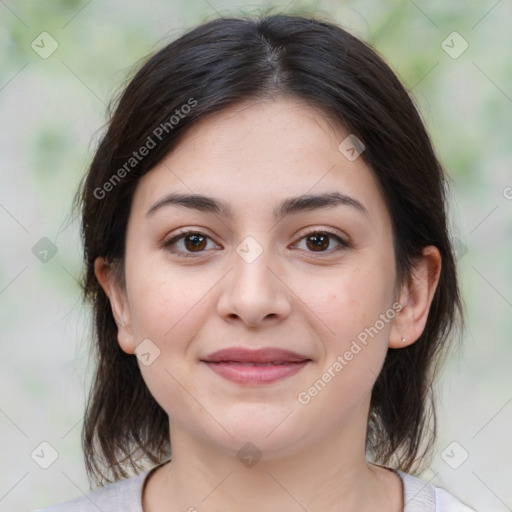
{"type": "Point", "coordinates": [52, 113]}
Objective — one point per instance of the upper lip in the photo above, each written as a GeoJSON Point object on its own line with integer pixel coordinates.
{"type": "Point", "coordinates": [262, 355]}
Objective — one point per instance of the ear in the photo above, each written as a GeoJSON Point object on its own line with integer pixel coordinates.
{"type": "Point", "coordinates": [416, 298]}
{"type": "Point", "coordinates": [118, 302]}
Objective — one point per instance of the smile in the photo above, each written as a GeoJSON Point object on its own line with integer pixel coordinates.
{"type": "Point", "coordinates": [251, 373]}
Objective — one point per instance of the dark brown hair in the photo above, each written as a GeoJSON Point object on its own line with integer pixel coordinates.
{"type": "Point", "coordinates": [209, 68]}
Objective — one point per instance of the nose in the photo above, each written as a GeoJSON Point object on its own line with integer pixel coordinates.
{"type": "Point", "coordinates": [254, 292]}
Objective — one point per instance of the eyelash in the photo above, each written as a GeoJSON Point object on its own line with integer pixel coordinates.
{"type": "Point", "coordinates": [187, 232]}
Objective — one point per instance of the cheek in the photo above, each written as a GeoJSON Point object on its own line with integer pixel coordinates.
{"type": "Point", "coordinates": [165, 303]}
{"type": "Point", "coordinates": [354, 344]}
{"type": "Point", "coordinates": [355, 313]}
{"type": "Point", "coordinates": [351, 299]}
{"type": "Point", "coordinates": [169, 308]}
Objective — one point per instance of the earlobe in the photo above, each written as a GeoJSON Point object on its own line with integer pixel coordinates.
{"type": "Point", "coordinates": [118, 303]}
{"type": "Point", "coordinates": [416, 298]}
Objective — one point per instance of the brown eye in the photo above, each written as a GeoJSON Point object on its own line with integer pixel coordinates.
{"type": "Point", "coordinates": [195, 242]}
{"type": "Point", "coordinates": [320, 241]}
{"type": "Point", "coordinates": [187, 243]}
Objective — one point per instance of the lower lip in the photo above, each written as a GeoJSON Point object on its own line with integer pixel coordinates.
{"type": "Point", "coordinates": [244, 374]}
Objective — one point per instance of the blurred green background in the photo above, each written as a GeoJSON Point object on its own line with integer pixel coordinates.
{"type": "Point", "coordinates": [53, 106]}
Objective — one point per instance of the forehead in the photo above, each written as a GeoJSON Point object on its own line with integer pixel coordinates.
{"type": "Point", "coordinates": [287, 128]}
{"type": "Point", "coordinates": [257, 153]}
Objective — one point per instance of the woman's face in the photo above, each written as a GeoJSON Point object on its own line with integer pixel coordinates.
{"type": "Point", "coordinates": [316, 278]}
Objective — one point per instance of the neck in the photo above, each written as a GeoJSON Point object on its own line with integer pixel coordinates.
{"type": "Point", "coordinates": [331, 474]}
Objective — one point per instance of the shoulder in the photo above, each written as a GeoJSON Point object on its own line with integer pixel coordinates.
{"type": "Point", "coordinates": [421, 496]}
{"type": "Point", "coordinates": [445, 502]}
{"type": "Point", "coordinates": [123, 496]}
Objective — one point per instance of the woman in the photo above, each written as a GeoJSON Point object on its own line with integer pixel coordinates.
{"type": "Point", "coordinates": [273, 282]}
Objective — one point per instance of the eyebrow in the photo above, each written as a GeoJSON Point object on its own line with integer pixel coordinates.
{"type": "Point", "coordinates": [293, 205]}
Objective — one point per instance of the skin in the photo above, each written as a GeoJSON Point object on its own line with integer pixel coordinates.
{"type": "Point", "coordinates": [252, 156]}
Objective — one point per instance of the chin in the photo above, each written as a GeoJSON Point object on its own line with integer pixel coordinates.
{"type": "Point", "coordinates": [270, 432]}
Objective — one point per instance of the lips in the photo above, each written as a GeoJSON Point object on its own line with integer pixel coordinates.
{"type": "Point", "coordinates": [262, 356]}
{"type": "Point", "coordinates": [255, 367]}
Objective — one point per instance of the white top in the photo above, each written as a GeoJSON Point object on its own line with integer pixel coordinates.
{"type": "Point", "coordinates": [126, 496]}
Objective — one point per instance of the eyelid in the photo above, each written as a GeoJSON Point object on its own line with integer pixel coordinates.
{"type": "Point", "coordinates": [179, 235]}
{"type": "Point", "coordinates": [182, 233]}
{"type": "Point", "coordinates": [344, 244]}
{"type": "Point", "coordinates": [310, 230]}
